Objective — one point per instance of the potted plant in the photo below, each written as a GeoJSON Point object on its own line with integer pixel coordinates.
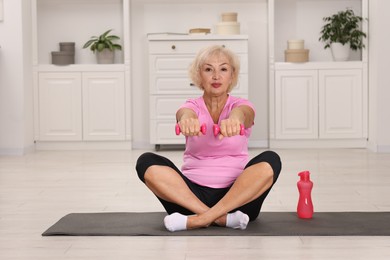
{"type": "Point", "coordinates": [342, 30]}
{"type": "Point", "coordinates": [104, 47]}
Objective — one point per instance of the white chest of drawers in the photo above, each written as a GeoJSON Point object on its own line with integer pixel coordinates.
{"type": "Point", "coordinates": [169, 84]}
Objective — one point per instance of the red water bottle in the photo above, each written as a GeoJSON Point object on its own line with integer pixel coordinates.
{"type": "Point", "coordinates": [305, 205]}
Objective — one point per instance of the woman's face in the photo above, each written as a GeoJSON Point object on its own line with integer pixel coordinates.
{"type": "Point", "coordinates": [216, 74]}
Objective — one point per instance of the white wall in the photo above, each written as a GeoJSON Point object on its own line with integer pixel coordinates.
{"type": "Point", "coordinates": [16, 117]}
{"type": "Point", "coordinates": [379, 75]}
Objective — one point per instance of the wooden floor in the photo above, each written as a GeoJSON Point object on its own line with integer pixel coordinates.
{"type": "Point", "coordinates": [39, 188]}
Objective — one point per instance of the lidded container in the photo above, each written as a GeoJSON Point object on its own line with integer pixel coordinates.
{"type": "Point", "coordinates": [229, 17]}
{"type": "Point", "coordinates": [65, 56]}
{"type": "Point", "coordinates": [62, 58]}
{"type": "Point", "coordinates": [67, 46]}
{"type": "Point", "coordinates": [228, 28]}
{"type": "Point", "coordinates": [229, 24]}
{"type": "Point", "coordinates": [296, 55]}
{"type": "Point", "coordinates": [295, 44]}
{"type": "Point", "coordinates": [296, 51]}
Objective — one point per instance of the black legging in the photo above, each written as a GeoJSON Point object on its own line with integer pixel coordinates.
{"type": "Point", "coordinates": [210, 196]}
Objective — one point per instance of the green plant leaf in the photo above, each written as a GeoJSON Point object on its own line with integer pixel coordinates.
{"type": "Point", "coordinates": [103, 41]}
{"type": "Point", "coordinates": [343, 27]}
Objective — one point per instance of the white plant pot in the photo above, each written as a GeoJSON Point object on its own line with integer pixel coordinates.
{"type": "Point", "coordinates": [340, 52]}
{"type": "Point", "coordinates": [106, 56]}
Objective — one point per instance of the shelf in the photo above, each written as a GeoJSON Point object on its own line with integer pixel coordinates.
{"type": "Point", "coordinates": [192, 1]}
{"type": "Point", "coordinates": [319, 65]}
{"type": "Point", "coordinates": [177, 37]}
{"type": "Point", "coordinates": [76, 21]}
{"type": "Point", "coordinates": [303, 19]}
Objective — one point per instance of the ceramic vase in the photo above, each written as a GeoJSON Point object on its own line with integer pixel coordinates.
{"type": "Point", "coordinates": [340, 52]}
{"type": "Point", "coordinates": [106, 56]}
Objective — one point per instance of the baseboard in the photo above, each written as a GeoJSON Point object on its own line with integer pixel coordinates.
{"type": "Point", "coordinates": [314, 144]}
{"type": "Point", "coordinates": [18, 151]}
{"type": "Point", "coordinates": [69, 146]}
{"type": "Point", "coordinates": [11, 152]}
{"type": "Point", "coordinates": [383, 148]}
{"type": "Point", "coordinates": [143, 146]}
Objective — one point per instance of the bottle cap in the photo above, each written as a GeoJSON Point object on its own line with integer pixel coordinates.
{"type": "Point", "coordinates": [305, 175]}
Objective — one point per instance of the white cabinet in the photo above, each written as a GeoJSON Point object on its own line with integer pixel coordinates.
{"type": "Point", "coordinates": [169, 84]}
{"type": "Point", "coordinates": [81, 106]}
{"type": "Point", "coordinates": [319, 104]}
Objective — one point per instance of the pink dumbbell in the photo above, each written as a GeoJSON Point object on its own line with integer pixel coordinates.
{"type": "Point", "coordinates": [216, 129]}
{"type": "Point", "coordinates": [202, 129]}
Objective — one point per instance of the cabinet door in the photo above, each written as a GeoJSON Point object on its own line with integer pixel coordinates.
{"type": "Point", "coordinates": [341, 103]}
{"type": "Point", "coordinates": [103, 106]}
{"type": "Point", "coordinates": [60, 106]}
{"type": "Point", "coordinates": [296, 99]}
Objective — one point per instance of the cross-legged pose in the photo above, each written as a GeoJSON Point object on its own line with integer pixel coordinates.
{"type": "Point", "coordinates": [217, 183]}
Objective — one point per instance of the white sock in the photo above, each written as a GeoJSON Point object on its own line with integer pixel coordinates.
{"type": "Point", "coordinates": [175, 222]}
{"type": "Point", "coordinates": [237, 220]}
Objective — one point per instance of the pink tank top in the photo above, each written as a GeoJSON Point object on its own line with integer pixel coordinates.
{"type": "Point", "coordinates": [209, 161]}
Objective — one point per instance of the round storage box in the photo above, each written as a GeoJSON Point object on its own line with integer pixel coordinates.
{"type": "Point", "coordinates": [296, 55]}
{"type": "Point", "coordinates": [229, 17]}
{"type": "Point", "coordinates": [62, 58]}
{"type": "Point", "coordinates": [295, 44]}
{"type": "Point", "coordinates": [226, 28]}
{"type": "Point", "coordinates": [67, 46]}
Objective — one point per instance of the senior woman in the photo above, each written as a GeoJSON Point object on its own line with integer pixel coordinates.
{"type": "Point", "coordinates": [217, 183]}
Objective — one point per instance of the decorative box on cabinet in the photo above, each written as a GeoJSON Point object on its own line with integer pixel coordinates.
{"type": "Point", "coordinates": [169, 84]}
{"type": "Point", "coordinates": [81, 106]}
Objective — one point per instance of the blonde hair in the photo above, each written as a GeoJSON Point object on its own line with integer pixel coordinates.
{"type": "Point", "coordinates": [204, 54]}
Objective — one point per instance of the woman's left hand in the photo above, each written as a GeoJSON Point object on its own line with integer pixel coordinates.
{"type": "Point", "coordinates": [229, 127]}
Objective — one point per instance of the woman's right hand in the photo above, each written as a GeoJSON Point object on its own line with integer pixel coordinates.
{"type": "Point", "coordinates": [188, 122]}
{"type": "Point", "coordinates": [190, 127]}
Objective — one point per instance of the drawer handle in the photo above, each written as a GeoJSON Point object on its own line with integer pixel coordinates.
{"type": "Point", "coordinates": [173, 47]}
{"type": "Point", "coordinates": [223, 46]}
{"type": "Point", "coordinates": [192, 84]}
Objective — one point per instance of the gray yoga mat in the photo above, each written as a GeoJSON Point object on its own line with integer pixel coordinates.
{"type": "Point", "coordinates": [267, 224]}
